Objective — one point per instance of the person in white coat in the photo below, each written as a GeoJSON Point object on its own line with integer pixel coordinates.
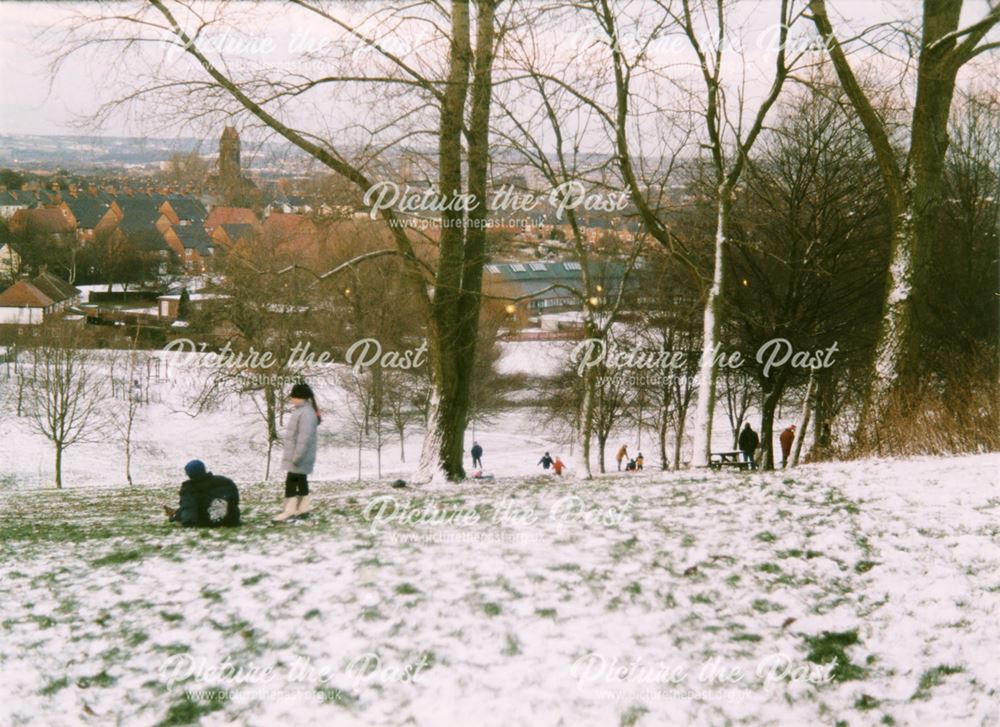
{"type": "Point", "coordinates": [299, 455]}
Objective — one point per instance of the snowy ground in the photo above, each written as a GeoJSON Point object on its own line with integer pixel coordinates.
{"type": "Point", "coordinates": [859, 593]}
{"type": "Point", "coordinates": [855, 593]}
{"type": "Point", "coordinates": [231, 436]}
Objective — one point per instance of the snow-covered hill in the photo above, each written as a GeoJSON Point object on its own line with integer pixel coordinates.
{"type": "Point", "coordinates": [857, 593]}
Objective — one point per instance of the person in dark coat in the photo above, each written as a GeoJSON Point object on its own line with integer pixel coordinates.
{"type": "Point", "coordinates": [477, 455]}
{"type": "Point", "coordinates": [787, 438]}
{"type": "Point", "coordinates": [748, 442]}
{"type": "Point", "coordinates": [206, 500]}
{"type": "Point", "coordinates": [545, 461]}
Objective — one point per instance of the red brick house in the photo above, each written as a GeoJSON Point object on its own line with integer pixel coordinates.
{"type": "Point", "coordinates": [32, 302]}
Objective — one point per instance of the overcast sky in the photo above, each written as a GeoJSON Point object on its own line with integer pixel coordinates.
{"type": "Point", "coordinates": [33, 102]}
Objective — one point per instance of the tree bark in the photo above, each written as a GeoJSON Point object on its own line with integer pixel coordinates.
{"type": "Point", "coordinates": [458, 284]}
{"type": "Point", "coordinates": [803, 427]}
{"type": "Point", "coordinates": [59, 453]}
{"type": "Point", "coordinates": [664, 421]}
{"type": "Point", "coordinates": [707, 372]}
{"type": "Point", "coordinates": [678, 443]}
{"type": "Point", "coordinates": [586, 432]}
{"type": "Point", "coordinates": [914, 191]}
{"type": "Point", "coordinates": [772, 390]}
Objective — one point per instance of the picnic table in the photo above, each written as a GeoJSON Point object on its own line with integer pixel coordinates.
{"type": "Point", "coordinates": [729, 458]}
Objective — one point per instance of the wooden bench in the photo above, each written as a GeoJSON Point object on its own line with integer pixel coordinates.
{"type": "Point", "coordinates": [732, 458]}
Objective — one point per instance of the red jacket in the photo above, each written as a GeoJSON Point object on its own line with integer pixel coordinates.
{"type": "Point", "coordinates": [787, 437]}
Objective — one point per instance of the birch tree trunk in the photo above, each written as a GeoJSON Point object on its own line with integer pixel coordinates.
{"type": "Point", "coordinates": [803, 426]}
{"type": "Point", "coordinates": [707, 371]}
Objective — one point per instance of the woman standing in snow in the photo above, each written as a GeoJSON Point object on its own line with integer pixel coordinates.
{"type": "Point", "coordinates": [299, 453]}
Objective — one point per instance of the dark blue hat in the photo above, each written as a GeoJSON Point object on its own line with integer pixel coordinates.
{"type": "Point", "coordinates": [195, 468]}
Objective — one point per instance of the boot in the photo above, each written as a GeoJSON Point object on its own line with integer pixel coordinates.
{"type": "Point", "coordinates": [304, 507]}
{"type": "Point", "coordinates": [289, 511]}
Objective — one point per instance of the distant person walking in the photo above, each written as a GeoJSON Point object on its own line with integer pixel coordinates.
{"type": "Point", "coordinates": [477, 455]}
{"type": "Point", "coordinates": [748, 443]}
{"type": "Point", "coordinates": [622, 454]}
{"type": "Point", "coordinates": [299, 454]}
{"type": "Point", "coordinates": [545, 461]}
{"type": "Point", "coordinates": [558, 465]}
{"type": "Point", "coordinates": [206, 500]}
{"type": "Point", "coordinates": [787, 438]}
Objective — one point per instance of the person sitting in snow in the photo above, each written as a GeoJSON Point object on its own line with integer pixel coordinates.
{"type": "Point", "coordinates": [630, 467]}
{"type": "Point", "coordinates": [206, 500]}
{"type": "Point", "coordinates": [545, 461]}
{"type": "Point", "coordinates": [558, 465]}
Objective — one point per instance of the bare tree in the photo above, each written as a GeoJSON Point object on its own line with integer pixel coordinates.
{"type": "Point", "coordinates": [186, 170]}
{"type": "Point", "coordinates": [130, 389]}
{"type": "Point", "coordinates": [808, 241]}
{"type": "Point", "coordinates": [914, 186]}
{"type": "Point", "coordinates": [444, 81]}
{"type": "Point", "coordinates": [729, 143]}
{"type": "Point", "coordinates": [737, 393]}
{"type": "Point", "coordinates": [65, 394]}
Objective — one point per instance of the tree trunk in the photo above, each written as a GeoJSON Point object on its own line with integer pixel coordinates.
{"type": "Point", "coordinates": [894, 345]}
{"type": "Point", "coordinates": [586, 412]}
{"type": "Point", "coordinates": [705, 405]}
{"type": "Point", "coordinates": [586, 429]}
{"type": "Point", "coordinates": [821, 426]}
{"type": "Point", "coordinates": [270, 451]}
{"type": "Point", "coordinates": [458, 283]}
{"type": "Point", "coordinates": [128, 444]}
{"type": "Point", "coordinates": [59, 453]}
{"type": "Point", "coordinates": [270, 412]}
{"type": "Point", "coordinates": [679, 442]}
{"type": "Point", "coordinates": [360, 447]}
{"type": "Point", "coordinates": [803, 426]}
{"type": "Point", "coordinates": [767, 408]}
{"type": "Point", "coordinates": [662, 436]}
{"type": "Point", "coordinates": [378, 445]}
{"type": "Point", "coordinates": [601, 443]}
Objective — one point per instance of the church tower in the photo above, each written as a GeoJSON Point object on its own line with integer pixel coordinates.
{"type": "Point", "coordinates": [229, 159]}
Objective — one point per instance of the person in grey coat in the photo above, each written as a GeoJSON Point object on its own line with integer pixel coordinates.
{"type": "Point", "coordinates": [299, 453]}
